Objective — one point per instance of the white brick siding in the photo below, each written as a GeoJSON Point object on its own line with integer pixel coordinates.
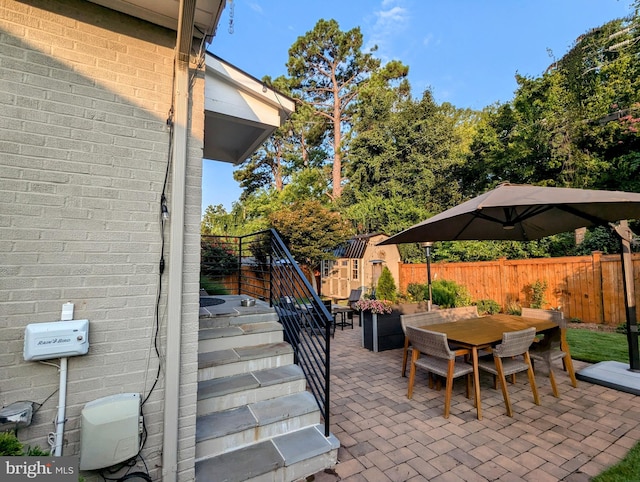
{"type": "Point", "coordinates": [84, 97]}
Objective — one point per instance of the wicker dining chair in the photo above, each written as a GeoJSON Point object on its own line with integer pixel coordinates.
{"type": "Point", "coordinates": [552, 346]}
{"type": "Point", "coordinates": [426, 318]}
{"type": "Point", "coordinates": [439, 359]}
{"type": "Point", "coordinates": [511, 356]}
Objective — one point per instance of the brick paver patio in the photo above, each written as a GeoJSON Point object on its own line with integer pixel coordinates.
{"type": "Point", "coordinates": [386, 437]}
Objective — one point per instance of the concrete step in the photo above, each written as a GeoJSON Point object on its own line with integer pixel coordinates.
{"type": "Point", "coordinates": [222, 432]}
{"type": "Point", "coordinates": [221, 321]}
{"type": "Point", "coordinates": [224, 363]}
{"type": "Point", "coordinates": [292, 456]}
{"type": "Point", "coordinates": [231, 392]}
{"type": "Point", "coordinates": [223, 338]}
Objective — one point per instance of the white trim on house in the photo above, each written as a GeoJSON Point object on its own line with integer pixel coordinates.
{"type": "Point", "coordinates": [240, 111]}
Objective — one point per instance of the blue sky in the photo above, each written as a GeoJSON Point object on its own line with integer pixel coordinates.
{"type": "Point", "coordinates": [466, 51]}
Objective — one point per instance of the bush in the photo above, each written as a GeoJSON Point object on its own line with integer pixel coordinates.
{"type": "Point", "coordinates": [11, 446]}
{"type": "Point", "coordinates": [514, 309]}
{"type": "Point", "coordinates": [487, 307]}
{"type": "Point", "coordinates": [535, 294]}
{"type": "Point", "coordinates": [386, 289]}
{"type": "Point", "coordinates": [216, 259]}
{"type": "Point", "coordinates": [417, 292]}
{"type": "Point", "coordinates": [449, 294]}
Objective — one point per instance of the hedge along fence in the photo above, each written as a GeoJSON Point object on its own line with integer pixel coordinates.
{"type": "Point", "coordinates": [588, 288]}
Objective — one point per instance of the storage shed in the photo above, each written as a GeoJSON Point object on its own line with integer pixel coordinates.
{"type": "Point", "coordinates": [358, 264]}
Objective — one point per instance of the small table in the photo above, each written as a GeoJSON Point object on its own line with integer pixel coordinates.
{"type": "Point", "coordinates": [482, 332]}
{"type": "Point", "coordinates": [341, 310]}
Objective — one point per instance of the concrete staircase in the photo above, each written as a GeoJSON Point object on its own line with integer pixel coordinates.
{"type": "Point", "coordinates": [256, 421]}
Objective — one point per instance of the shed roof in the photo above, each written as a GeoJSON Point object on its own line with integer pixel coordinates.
{"type": "Point", "coordinates": [355, 247]}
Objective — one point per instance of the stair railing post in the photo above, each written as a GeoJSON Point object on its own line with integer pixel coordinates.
{"type": "Point", "coordinates": [239, 265]}
{"type": "Point", "coordinates": [327, 376]}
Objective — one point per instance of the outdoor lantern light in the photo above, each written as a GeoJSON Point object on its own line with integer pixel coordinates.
{"type": "Point", "coordinates": [376, 271]}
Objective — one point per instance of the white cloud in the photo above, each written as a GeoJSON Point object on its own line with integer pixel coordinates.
{"type": "Point", "coordinates": [256, 7]}
{"type": "Point", "coordinates": [391, 19]}
{"type": "Point", "coordinates": [427, 40]}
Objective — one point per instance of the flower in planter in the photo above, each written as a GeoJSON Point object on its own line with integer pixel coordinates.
{"type": "Point", "coordinates": [378, 307]}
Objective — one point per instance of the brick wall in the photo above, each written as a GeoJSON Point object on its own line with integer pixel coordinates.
{"type": "Point", "coordinates": [84, 97]}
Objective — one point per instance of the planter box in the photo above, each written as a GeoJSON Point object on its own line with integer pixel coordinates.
{"type": "Point", "coordinates": [384, 332]}
{"type": "Point", "coordinates": [381, 332]}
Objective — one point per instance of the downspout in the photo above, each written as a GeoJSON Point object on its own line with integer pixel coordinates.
{"type": "Point", "coordinates": [176, 263]}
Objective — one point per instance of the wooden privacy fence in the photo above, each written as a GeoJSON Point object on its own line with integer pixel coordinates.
{"type": "Point", "coordinates": [588, 288]}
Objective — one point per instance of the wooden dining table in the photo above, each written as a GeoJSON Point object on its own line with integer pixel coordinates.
{"type": "Point", "coordinates": [485, 331]}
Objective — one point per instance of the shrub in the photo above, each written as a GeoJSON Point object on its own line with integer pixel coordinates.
{"type": "Point", "coordinates": [386, 289]}
{"type": "Point", "coordinates": [449, 294]}
{"type": "Point", "coordinates": [514, 309]}
{"type": "Point", "coordinates": [216, 260]}
{"type": "Point", "coordinates": [11, 446]}
{"type": "Point", "coordinates": [535, 294]}
{"type": "Point", "coordinates": [417, 291]}
{"type": "Point", "coordinates": [487, 307]}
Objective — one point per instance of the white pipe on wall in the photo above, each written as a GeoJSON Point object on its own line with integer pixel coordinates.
{"type": "Point", "coordinates": [176, 249]}
{"type": "Point", "coordinates": [62, 402]}
{"type": "Point", "coordinates": [174, 290]}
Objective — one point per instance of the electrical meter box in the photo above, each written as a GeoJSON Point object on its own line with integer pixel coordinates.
{"type": "Point", "coordinates": [57, 339]}
{"type": "Point", "coordinates": [109, 431]}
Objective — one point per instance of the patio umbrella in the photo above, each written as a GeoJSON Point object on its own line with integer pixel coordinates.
{"type": "Point", "coordinates": [525, 212]}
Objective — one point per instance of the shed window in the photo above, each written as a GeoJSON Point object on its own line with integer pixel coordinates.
{"type": "Point", "coordinates": [326, 268]}
{"type": "Point", "coordinates": [355, 269]}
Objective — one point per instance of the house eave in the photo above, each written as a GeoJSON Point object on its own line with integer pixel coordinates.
{"type": "Point", "coordinates": [240, 112]}
{"type": "Point", "coordinates": [166, 13]}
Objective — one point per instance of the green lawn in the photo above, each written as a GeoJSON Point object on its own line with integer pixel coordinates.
{"type": "Point", "coordinates": [626, 470]}
{"type": "Point", "coordinates": [594, 347]}
{"type": "Point", "coordinates": [597, 346]}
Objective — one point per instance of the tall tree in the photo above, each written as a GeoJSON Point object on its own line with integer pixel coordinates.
{"type": "Point", "coordinates": [404, 153]}
{"type": "Point", "coordinates": [266, 167]}
{"type": "Point", "coordinates": [310, 230]}
{"type": "Point", "coordinates": [293, 146]}
{"type": "Point", "coordinates": [328, 69]}
{"type": "Point", "coordinates": [575, 126]}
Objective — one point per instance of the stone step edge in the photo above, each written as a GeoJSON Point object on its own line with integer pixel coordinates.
{"type": "Point", "coordinates": [280, 451]}
{"type": "Point", "coordinates": [242, 354]}
{"type": "Point", "coordinates": [247, 381]}
{"type": "Point", "coordinates": [263, 413]}
{"type": "Point", "coordinates": [237, 318]}
{"type": "Point", "coordinates": [238, 330]}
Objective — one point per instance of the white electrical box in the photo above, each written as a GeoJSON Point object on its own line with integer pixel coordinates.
{"type": "Point", "coordinates": [109, 431]}
{"type": "Point", "coordinates": [57, 339]}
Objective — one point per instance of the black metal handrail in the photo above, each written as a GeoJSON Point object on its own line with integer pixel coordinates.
{"type": "Point", "coordinates": [260, 265]}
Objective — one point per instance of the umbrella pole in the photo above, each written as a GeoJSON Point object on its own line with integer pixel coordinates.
{"type": "Point", "coordinates": [625, 235]}
{"type": "Point", "coordinates": [427, 246]}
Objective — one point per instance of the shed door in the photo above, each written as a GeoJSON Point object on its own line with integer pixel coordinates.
{"type": "Point", "coordinates": [343, 278]}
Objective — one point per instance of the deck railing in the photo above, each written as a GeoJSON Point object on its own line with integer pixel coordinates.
{"type": "Point", "coordinates": [260, 265]}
